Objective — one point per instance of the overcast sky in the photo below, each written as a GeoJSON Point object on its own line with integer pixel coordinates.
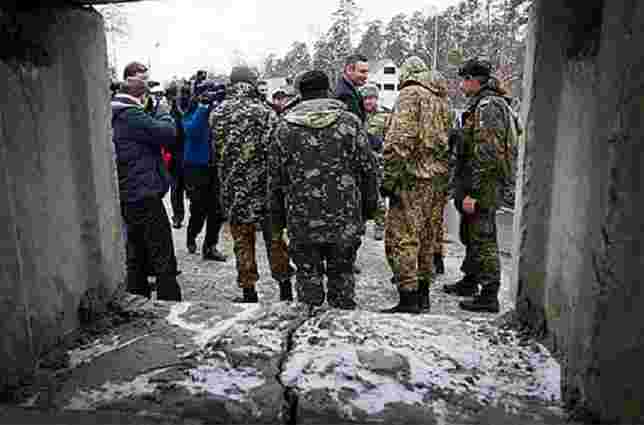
{"type": "Point", "coordinates": [193, 34]}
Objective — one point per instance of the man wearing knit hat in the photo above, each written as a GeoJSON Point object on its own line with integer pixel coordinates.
{"type": "Point", "coordinates": [321, 162]}
{"type": "Point", "coordinates": [482, 179]}
{"type": "Point", "coordinates": [241, 128]}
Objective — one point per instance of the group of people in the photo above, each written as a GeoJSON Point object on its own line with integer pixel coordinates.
{"type": "Point", "coordinates": [309, 170]}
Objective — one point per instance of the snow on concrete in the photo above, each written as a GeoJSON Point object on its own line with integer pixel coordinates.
{"type": "Point", "coordinates": [109, 391]}
{"type": "Point", "coordinates": [231, 383]}
{"type": "Point", "coordinates": [369, 360]}
{"type": "Point", "coordinates": [87, 353]}
{"type": "Point", "coordinates": [207, 330]}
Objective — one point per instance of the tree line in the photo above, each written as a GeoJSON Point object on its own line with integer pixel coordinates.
{"type": "Point", "coordinates": [494, 29]}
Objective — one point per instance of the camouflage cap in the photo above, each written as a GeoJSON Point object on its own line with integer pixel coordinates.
{"type": "Point", "coordinates": [475, 67]}
{"type": "Point", "coordinates": [369, 90]}
{"type": "Point", "coordinates": [412, 65]}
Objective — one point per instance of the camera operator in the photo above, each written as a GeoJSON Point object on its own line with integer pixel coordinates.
{"type": "Point", "coordinates": [143, 182]}
{"type": "Point", "coordinates": [200, 172]}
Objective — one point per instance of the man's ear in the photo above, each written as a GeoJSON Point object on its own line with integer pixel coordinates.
{"type": "Point", "coordinates": [349, 68]}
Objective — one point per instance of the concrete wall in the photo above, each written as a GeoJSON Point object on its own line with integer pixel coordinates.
{"type": "Point", "coordinates": [578, 251]}
{"type": "Point", "coordinates": [60, 241]}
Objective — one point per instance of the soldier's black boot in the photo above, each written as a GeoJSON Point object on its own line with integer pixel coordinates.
{"type": "Point", "coordinates": [423, 296]}
{"type": "Point", "coordinates": [408, 303]}
{"type": "Point", "coordinates": [137, 284]}
{"type": "Point", "coordinates": [286, 291]}
{"type": "Point", "coordinates": [168, 288]}
{"type": "Point", "coordinates": [466, 287]}
{"type": "Point", "coordinates": [212, 254]}
{"type": "Point", "coordinates": [439, 265]}
{"type": "Point", "coordinates": [485, 302]}
{"type": "Point", "coordinates": [192, 246]}
{"type": "Point", "coordinates": [249, 296]}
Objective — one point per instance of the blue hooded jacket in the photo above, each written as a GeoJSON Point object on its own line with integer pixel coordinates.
{"type": "Point", "coordinates": [137, 138]}
{"type": "Point", "coordinates": [197, 148]}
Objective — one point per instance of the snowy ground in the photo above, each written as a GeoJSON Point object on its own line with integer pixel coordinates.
{"type": "Point", "coordinates": [208, 360]}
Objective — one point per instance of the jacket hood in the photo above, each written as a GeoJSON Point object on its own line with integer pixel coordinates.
{"type": "Point", "coordinates": [414, 71]}
{"type": "Point", "coordinates": [315, 113]}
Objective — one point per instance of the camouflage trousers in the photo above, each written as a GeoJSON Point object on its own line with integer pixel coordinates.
{"type": "Point", "coordinates": [478, 233]}
{"type": "Point", "coordinates": [310, 259]}
{"type": "Point", "coordinates": [409, 236]}
{"type": "Point", "coordinates": [438, 223]}
{"type": "Point", "coordinates": [244, 240]}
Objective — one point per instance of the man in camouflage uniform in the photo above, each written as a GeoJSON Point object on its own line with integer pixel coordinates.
{"type": "Point", "coordinates": [322, 187]}
{"type": "Point", "coordinates": [416, 160]}
{"type": "Point", "coordinates": [376, 133]}
{"type": "Point", "coordinates": [481, 177]}
{"type": "Point", "coordinates": [241, 127]}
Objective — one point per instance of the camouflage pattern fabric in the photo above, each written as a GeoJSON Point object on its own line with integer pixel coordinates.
{"type": "Point", "coordinates": [409, 236]}
{"type": "Point", "coordinates": [322, 187]}
{"type": "Point", "coordinates": [376, 128]}
{"type": "Point", "coordinates": [415, 170]}
{"type": "Point", "coordinates": [244, 246]}
{"type": "Point", "coordinates": [323, 176]}
{"type": "Point", "coordinates": [241, 127]}
{"type": "Point", "coordinates": [483, 162]}
{"type": "Point", "coordinates": [438, 224]}
{"type": "Point", "coordinates": [315, 260]}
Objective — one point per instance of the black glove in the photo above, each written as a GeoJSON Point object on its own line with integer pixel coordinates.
{"type": "Point", "coordinates": [394, 197]}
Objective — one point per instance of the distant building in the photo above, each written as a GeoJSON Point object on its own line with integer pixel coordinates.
{"type": "Point", "coordinates": [384, 75]}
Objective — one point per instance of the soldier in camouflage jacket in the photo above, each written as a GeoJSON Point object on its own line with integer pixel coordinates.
{"type": "Point", "coordinates": [483, 166]}
{"type": "Point", "coordinates": [322, 187]}
{"type": "Point", "coordinates": [241, 127]}
{"type": "Point", "coordinates": [416, 161]}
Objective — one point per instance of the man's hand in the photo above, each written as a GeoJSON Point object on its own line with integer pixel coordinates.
{"type": "Point", "coordinates": [469, 205]}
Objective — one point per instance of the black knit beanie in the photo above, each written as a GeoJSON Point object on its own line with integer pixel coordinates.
{"type": "Point", "coordinates": [313, 82]}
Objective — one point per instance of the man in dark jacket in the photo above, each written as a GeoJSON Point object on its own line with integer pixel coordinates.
{"type": "Point", "coordinates": [177, 188]}
{"type": "Point", "coordinates": [322, 187]}
{"type": "Point", "coordinates": [202, 182]}
{"type": "Point", "coordinates": [143, 181]}
{"type": "Point", "coordinates": [354, 76]}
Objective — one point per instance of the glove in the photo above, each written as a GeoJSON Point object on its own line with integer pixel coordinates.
{"type": "Point", "coordinates": [394, 197]}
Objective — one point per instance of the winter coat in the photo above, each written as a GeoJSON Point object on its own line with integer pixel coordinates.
{"type": "Point", "coordinates": [347, 93]}
{"type": "Point", "coordinates": [138, 137]}
{"type": "Point", "coordinates": [197, 150]}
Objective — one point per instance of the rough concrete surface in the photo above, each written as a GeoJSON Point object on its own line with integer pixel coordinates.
{"type": "Point", "coordinates": [208, 360]}
{"type": "Point", "coordinates": [579, 256]}
{"type": "Point", "coordinates": [60, 240]}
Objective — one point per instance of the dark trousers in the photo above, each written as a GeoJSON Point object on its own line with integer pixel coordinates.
{"type": "Point", "coordinates": [176, 195]}
{"type": "Point", "coordinates": [202, 190]}
{"type": "Point", "coordinates": [150, 250]}
{"type": "Point", "coordinates": [478, 233]}
{"type": "Point", "coordinates": [309, 259]}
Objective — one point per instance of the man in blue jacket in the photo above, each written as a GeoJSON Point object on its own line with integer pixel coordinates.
{"type": "Point", "coordinates": [200, 172]}
{"type": "Point", "coordinates": [143, 181]}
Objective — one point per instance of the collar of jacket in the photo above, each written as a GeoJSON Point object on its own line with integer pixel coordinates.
{"type": "Point", "coordinates": [128, 99]}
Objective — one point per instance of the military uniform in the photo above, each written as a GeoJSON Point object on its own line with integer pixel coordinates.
{"type": "Point", "coordinates": [241, 128]}
{"type": "Point", "coordinates": [483, 167]}
{"type": "Point", "coordinates": [376, 122]}
{"type": "Point", "coordinates": [323, 184]}
{"type": "Point", "coordinates": [415, 156]}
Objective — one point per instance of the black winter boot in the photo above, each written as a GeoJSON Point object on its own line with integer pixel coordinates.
{"type": "Point", "coordinates": [168, 288]}
{"type": "Point", "coordinates": [466, 287]}
{"type": "Point", "coordinates": [408, 303]}
{"type": "Point", "coordinates": [286, 291]}
{"type": "Point", "coordinates": [486, 302]}
{"type": "Point", "coordinates": [249, 296]}
{"type": "Point", "coordinates": [423, 296]}
{"type": "Point", "coordinates": [439, 265]}
{"type": "Point", "coordinates": [137, 284]}
{"type": "Point", "coordinates": [212, 254]}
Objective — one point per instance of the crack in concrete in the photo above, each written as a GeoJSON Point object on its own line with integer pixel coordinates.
{"type": "Point", "coordinates": [289, 408]}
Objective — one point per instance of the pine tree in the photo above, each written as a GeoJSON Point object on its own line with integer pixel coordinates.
{"type": "Point", "coordinates": [296, 60]}
{"type": "Point", "coordinates": [372, 43]}
{"type": "Point", "coordinates": [398, 46]}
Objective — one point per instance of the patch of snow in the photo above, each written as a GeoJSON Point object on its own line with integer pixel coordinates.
{"type": "Point", "coordinates": [86, 354]}
{"type": "Point", "coordinates": [548, 377]}
{"type": "Point", "coordinates": [108, 392]}
{"type": "Point", "coordinates": [204, 332]}
{"type": "Point", "coordinates": [230, 383]}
